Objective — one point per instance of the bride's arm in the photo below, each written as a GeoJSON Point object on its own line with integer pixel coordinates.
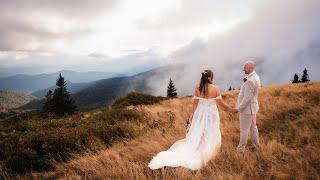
{"type": "Point", "coordinates": [195, 104]}
{"type": "Point", "coordinates": [222, 103]}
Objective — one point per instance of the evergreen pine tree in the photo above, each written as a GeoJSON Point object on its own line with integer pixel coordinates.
{"type": "Point", "coordinates": [62, 102]}
{"type": "Point", "coordinates": [47, 105]}
{"type": "Point", "coordinates": [305, 76]}
{"type": "Point", "coordinates": [171, 91]}
{"type": "Point", "coordinates": [295, 78]}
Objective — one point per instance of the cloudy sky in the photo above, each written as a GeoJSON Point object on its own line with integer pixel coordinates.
{"type": "Point", "coordinates": [123, 35]}
{"type": "Point", "coordinates": [84, 34]}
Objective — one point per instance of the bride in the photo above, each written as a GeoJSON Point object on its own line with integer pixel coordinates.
{"type": "Point", "coordinates": [203, 138]}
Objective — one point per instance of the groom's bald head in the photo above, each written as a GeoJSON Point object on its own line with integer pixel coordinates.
{"type": "Point", "coordinates": [248, 67]}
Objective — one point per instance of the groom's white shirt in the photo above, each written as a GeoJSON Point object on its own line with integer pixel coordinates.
{"type": "Point", "coordinates": [247, 102]}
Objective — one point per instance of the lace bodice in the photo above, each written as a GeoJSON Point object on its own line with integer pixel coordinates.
{"type": "Point", "coordinates": [207, 103]}
{"type": "Point", "coordinates": [215, 98]}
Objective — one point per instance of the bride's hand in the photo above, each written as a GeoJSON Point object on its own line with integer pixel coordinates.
{"type": "Point", "coordinates": [188, 120]}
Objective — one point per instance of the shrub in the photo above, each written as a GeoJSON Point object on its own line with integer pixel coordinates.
{"type": "Point", "coordinates": [33, 145]}
{"type": "Point", "coordinates": [113, 115]}
{"type": "Point", "coordinates": [136, 98]}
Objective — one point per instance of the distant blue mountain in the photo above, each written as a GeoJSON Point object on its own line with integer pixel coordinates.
{"type": "Point", "coordinates": [72, 88]}
{"type": "Point", "coordinates": [31, 83]}
{"type": "Point", "coordinates": [104, 92]}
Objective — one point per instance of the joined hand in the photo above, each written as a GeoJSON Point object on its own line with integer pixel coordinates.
{"type": "Point", "coordinates": [234, 110]}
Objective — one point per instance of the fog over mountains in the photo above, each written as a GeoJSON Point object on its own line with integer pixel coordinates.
{"type": "Point", "coordinates": [282, 37]}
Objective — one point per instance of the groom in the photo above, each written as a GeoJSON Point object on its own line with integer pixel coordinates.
{"type": "Point", "coordinates": [248, 106]}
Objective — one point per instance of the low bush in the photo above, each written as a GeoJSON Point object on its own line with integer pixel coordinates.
{"type": "Point", "coordinates": [136, 98]}
{"type": "Point", "coordinates": [33, 145]}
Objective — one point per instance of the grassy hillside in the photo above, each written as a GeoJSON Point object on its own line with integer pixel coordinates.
{"type": "Point", "coordinates": [31, 143]}
{"type": "Point", "coordinates": [10, 100]}
{"type": "Point", "coordinates": [288, 122]}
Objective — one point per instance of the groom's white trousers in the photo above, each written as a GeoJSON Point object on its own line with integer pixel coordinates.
{"type": "Point", "coordinates": [248, 124]}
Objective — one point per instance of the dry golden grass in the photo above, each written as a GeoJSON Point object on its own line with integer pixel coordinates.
{"type": "Point", "coordinates": [288, 122]}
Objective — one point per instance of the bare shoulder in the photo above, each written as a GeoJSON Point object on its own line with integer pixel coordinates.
{"type": "Point", "coordinates": [216, 87]}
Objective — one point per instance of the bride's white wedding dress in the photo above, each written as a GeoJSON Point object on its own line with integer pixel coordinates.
{"type": "Point", "coordinates": [201, 143]}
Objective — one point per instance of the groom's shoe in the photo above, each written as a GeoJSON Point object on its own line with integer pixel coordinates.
{"type": "Point", "coordinates": [240, 149]}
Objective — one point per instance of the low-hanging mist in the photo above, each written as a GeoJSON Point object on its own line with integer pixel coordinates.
{"type": "Point", "coordinates": [282, 37]}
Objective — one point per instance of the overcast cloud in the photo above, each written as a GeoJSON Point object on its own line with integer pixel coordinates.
{"type": "Point", "coordinates": [283, 37]}
{"type": "Point", "coordinates": [38, 25]}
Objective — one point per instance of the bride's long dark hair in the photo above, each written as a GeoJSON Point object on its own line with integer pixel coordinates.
{"type": "Point", "coordinates": [203, 87]}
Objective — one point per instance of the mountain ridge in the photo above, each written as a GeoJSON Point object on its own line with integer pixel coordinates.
{"type": "Point", "coordinates": [24, 83]}
{"type": "Point", "coordinates": [102, 93]}
{"type": "Point", "coordinates": [10, 100]}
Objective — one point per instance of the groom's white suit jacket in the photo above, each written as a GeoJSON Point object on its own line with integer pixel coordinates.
{"type": "Point", "coordinates": [248, 97]}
